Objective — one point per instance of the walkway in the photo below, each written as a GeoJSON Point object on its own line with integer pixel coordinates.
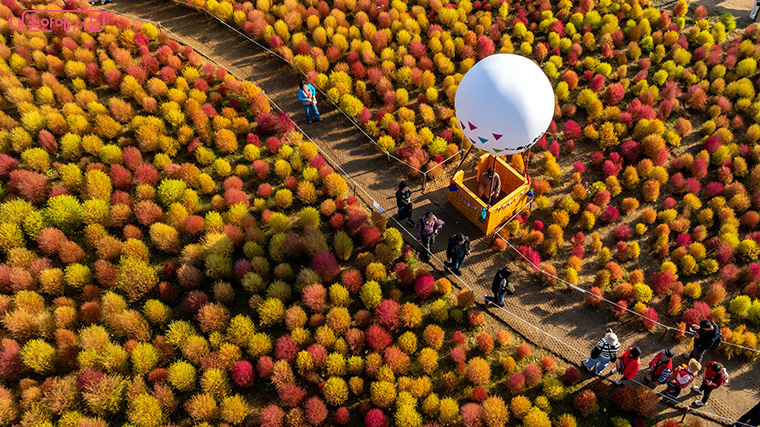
{"type": "Point", "coordinates": [561, 313]}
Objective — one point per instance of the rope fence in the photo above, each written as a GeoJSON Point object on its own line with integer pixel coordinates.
{"type": "Point", "coordinates": [461, 281]}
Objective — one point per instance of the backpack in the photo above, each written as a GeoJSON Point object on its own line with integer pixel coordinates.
{"type": "Point", "coordinates": [716, 338]}
{"type": "Point", "coordinates": [506, 287]}
{"type": "Point", "coordinates": [451, 245]}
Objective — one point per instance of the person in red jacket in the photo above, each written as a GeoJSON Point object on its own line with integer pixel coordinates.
{"type": "Point", "coordinates": [628, 364]}
{"type": "Point", "coordinates": [714, 377]}
{"type": "Point", "coordinates": [682, 377]}
{"type": "Point", "coordinates": [660, 368]}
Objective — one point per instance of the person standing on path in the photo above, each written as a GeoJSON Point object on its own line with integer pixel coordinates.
{"type": "Point", "coordinates": [628, 365]}
{"type": "Point", "coordinates": [404, 203]}
{"type": "Point", "coordinates": [308, 97]}
{"type": "Point", "coordinates": [457, 248]}
{"type": "Point", "coordinates": [707, 336]}
{"type": "Point", "coordinates": [660, 368]}
{"type": "Point", "coordinates": [603, 353]}
{"type": "Point", "coordinates": [500, 286]}
{"type": "Point", "coordinates": [714, 377]}
{"type": "Point", "coordinates": [682, 377]}
{"type": "Point", "coordinates": [427, 229]}
{"type": "Point", "coordinates": [751, 418]}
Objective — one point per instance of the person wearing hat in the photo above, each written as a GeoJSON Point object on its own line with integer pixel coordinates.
{"type": "Point", "coordinates": [660, 368]}
{"type": "Point", "coordinates": [628, 365]}
{"type": "Point", "coordinates": [489, 182]}
{"type": "Point", "coordinates": [707, 336]}
{"type": "Point", "coordinates": [682, 377]}
{"type": "Point", "coordinates": [715, 376]}
{"type": "Point", "coordinates": [603, 353]}
{"type": "Point", "coordinates": [404, 203]}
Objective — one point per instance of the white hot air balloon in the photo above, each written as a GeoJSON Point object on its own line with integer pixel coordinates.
{"type": "Point", "coordinates": [504, 104]}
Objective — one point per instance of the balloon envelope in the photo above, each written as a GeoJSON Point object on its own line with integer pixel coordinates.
{"type": "Point", "coordinates": [504, 104]}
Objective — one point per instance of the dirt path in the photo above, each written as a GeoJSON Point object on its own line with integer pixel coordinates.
{"type": "Point", "coordinates": [561, 313]}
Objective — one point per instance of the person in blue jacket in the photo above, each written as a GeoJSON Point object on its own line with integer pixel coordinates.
{"type": "Point", "coordinates": [308, 97]}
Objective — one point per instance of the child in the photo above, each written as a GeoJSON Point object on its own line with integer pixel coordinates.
{"type": "Point", "coordinates": [715, 376]}
{"type": "Point", "coordinates": [660, 368]}
{"type": "Point", "coordinates": [628, 364]}
{"type": "Point", "coordinates": [682, 377]}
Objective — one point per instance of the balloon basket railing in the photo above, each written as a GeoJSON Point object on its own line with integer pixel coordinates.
{"type": "Point", "coordinates": [514, 194]}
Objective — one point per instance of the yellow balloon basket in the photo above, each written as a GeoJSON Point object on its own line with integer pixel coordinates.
{"type": "Point", "coordinates": [463, 194]}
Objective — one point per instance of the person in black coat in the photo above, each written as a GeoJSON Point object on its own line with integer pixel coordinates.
{"type": "Point", "coordinates": [457, 248]}
{"type": "Point", "coordinates": [404, 203]}
{"type": "Point", "coordinates": [707, 337]}
{"type": "Point", "coordinates": [500, 286]}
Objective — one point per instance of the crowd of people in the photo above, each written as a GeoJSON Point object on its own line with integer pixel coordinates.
{"type": "Point", "coordinates": [660, 370]}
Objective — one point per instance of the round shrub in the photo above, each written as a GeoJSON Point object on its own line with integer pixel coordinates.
{"type": "Point", "coordinates": [382, 394]}
{"type": "Point", "coordinates": [182, 376]}
{"type": "Point", "coordinates": [39, 356]}
{"type": "Point", "coordinates": [478, 371]}
{"type": "Point", "coordinates": [335, 391]}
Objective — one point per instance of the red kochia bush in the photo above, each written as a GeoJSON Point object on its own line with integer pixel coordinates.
{"type": "Point", "coordinates": [146, 174]}
{"type": "Point", "coordinates": [315, 410]}
{"type": "Point", "coordinates": [30, 185]}
{"type": "Point", "coordinates": [661, 281]}
{"type": "Point", "coordinates": [50, 239]}
{"type": "Point", "coordinates": [532, 374]}
{"type": "Point", "coordinates": [516, 383]}
{"type": "Point", "coordinates": [472, 415]}
{"type": "Point", "coordinates": [271, 416]}
{"type": "Point", "coordinates": [614, 93]}
{"type": "Point", "coordinates": [291, 394]}
{"type": "Point", "coordinates": [355, 340]}
{"type": "Point", "coordinates": [699, 311]}
{"type": "Point", "coordinates": [286, 348]}
{"type": "Point", "coordinates": [242, 373]}
{"type": "Point", "coordinates": [387, 313]}
{"type": "Point", "coordinates": [264, 366]}
{"type": "Point", "coordinates": [121, 177]}
{"type": "Point", "coordinates": [315, 297]}
{"type": "Point", "coordinates": [485, 47]}
{"type": "Point", "coordinates": [378, 338]}
{"type": "Point", "coordinates": [424, 285]}
{"type": "Point", "coordinates": [585, 403]}
{"type": "Point", "coordinates": [371, 236]}
{"type": "Point", "coordinates": [352, 280]}
{"type": "Point", "coordinates": [193, 301]}
{"type": "Point", "coordinates": [404, 274]}
{"type": "Point", "coordinates": [11, 364]}
{"type": "Point", "coordinates": [7, 164]}
{"type": "Point", "coordinates": [325, 265]}
{"type": "Point", "coordinates": [261, 169]}
{"type": "Point", "coordinates": [375, 418]}
{"type": "Point", "coordinates": [624, 398]}
{"type": "Point", "coordinates": [572, 375]}
{"type": "Point", "coordinates": [342, 416]}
